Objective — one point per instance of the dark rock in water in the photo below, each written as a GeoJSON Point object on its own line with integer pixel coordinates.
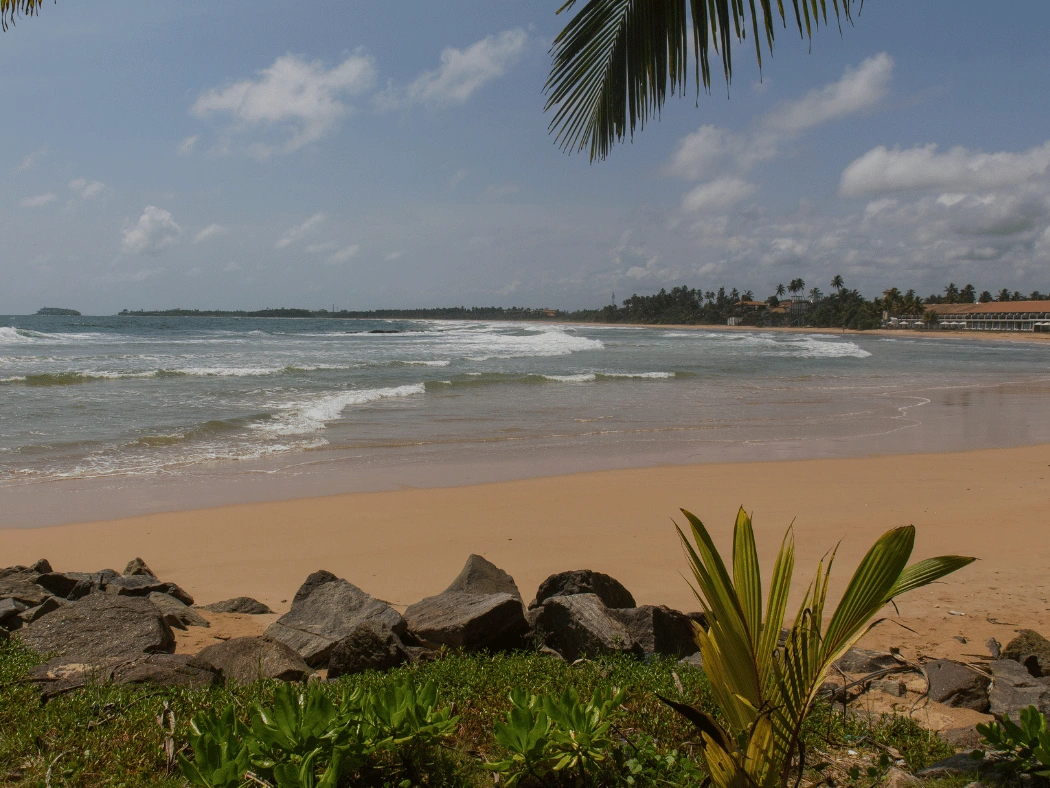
{"type": "Point", "coordinates": [954, 684]}
{"type": "Point", "coordinates": [1030, 649]}
{"type": "Point", "coordinates": [100, 626]}
{"type": "Point", "coordinates": [371, 646]}
{"type": "Point", "coordinates": [244, 660]}
{"type": "Point", "coordinates": [21, 586]}
{"type": "Point", "coordinates": [584, 581]}
{"type": "Point", "coordinates": [175, 613]}
{"type": "Point", "coordinates": [241, 604]}
{"type": "Point", "coordinates": [49, 605]}
{"type": "Point", "coordinates": [475, 622]}
{"type": "Point", "coordinates": [863, 661]}
{"type": "Point", "coordinates": [9, 610]}
{"type": "Point", "coordinates": [324, 611]}
{"type": "Point", "coordinates": [659, 630]}
{"type": "Point", "coordinates": [580, 626]}
{"type": "Point", "coordinates": [1014, 688]}
{"type": "Point", "coordinates": [137, 566]}
{"type": "Point", "coordinates": [480, 576]}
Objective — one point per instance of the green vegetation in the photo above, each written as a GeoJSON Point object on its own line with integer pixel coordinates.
{"type": "Point", "coordinates": [115, 736]}
{"type": "Point", "coordinates": [1017, 748]}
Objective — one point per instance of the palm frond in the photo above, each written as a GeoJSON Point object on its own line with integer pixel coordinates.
{"type": "Point", "coordinates": [9, 9]}
{"type": "Point", "coordinates": [616, 61]}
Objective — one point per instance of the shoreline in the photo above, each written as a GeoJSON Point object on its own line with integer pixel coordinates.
{"type": "Point", "coordinates": [403, 545]}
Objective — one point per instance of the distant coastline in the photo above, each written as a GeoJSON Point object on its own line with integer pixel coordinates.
{"type": "Point", "coordinates": [56, 311]}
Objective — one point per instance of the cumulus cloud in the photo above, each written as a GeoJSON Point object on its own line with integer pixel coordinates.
{"type": "Point", "coordinates": [211, 231]}
{"type": "Point", "coordinates": [343, 255]}
{"type": "Point", "coordinates": [301, 95]}
{"type": "Point", "coordinates": [883, 170]}
{"type": "Point", "coordinates": [461, 72]}
{"type": "Point", "coordinates": [185, 148]}
{"type": "Point", "coordinates": [31, 159]}
{"type": "Point", "coordinates": [717, 194]}
{"type": "Point", "coordinates": [39, 201]}
{"type": "Point", "coordinates": [300, 230]}
{"type": "Point", "coordinates": [154, 232]}
{"type": "Point", "coordinates": [86, 189]}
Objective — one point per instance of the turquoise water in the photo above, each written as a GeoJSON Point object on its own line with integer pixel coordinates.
{"type": "Point", "coordinates": [123, 397]}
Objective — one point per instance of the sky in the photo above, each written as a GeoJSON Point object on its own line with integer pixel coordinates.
{"type": "Point", "coordinates": [365, 155]}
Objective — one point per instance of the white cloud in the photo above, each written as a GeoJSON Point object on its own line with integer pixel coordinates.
{"type": "Point", "coordinates": [327, 246]}
{"type": "Point", "coordinates": [299, 231]}
{"type": "Point", "coordinates": [151, 234]}
{"type": "Point", "coordinates": [883, 169]}
{"type": "Point", "coordinates": [497, 191]}
{"type": "Point", "coordinates": [859, 89]}
{"type": "Point", "coordinates": [86, 189]}
{"type": "Point", "coordinates": [304, 95]}
{"type": "Point", "coordinates": [394, 256]}
{"type": "Point", "coordinates": [185, 148]}
{"type": "Point", "coordinates": [39, 201]}
{"type": "Point", "coordinates": [211, 231]}
{"type": "Point", "coordinates": [717, 195]}
{"type": "Point", "coordinates": [343, 255]}
{"type": "Point", "coordinates": [32, 158]}
{"type": "Point", "coordinates": [461, 73]}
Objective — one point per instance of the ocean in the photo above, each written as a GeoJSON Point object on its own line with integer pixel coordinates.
{"type": "Point", "coordinates": [250, 408]}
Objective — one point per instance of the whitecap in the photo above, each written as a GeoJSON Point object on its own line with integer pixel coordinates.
{"type": "Point", "coordinates": [313, 415]}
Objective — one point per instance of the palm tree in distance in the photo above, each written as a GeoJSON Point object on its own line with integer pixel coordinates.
{"type": "Point", "coordinates": [815, 295]}
{"type": "Point", "coordinates": [780, 290]}
{"type": "Point", "coordinates": [797, 285]}
{"type": "Point", "coordinates": [838, 283]}
{"type": "Point", "coordinates": [616, 60]}
{"type": "Point", "coordinates": [951, 293]}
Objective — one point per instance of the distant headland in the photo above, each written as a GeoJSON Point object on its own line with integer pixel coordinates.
{"type": "Point", "coordinates": [55, 311]}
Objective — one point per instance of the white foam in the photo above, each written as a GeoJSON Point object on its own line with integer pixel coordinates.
{"type": "Point", "coordinates": [312, 416]}
{"type": "Point", "coordinates": [583, 377]}
{"type": "Point", "coordinates": [649, 375]}
{"type": "Point", "coordinates": [228, 372]}
{"type": "Point", "coordinates": [482, 345]}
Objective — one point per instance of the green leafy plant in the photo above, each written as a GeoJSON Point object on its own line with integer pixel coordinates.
{"type": "Point", "coordinates": [650, 766]}
{"type": "Point", "coordinates": [525, 734]}
{"type": "Point", "coordinates": [764, 683]}
{"type": "Point", "coordinates": [1018, 748]}
{"type": "Point", "coordinates": [220, 753]}
{"type": "Point", "coordinates": [400, 715]}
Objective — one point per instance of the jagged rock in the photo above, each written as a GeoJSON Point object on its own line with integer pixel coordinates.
{"type": "Point", "coordinates": [144, 585]}
{"type": "Point", "coordinates": [480, 576]}
{"type": "Point", "coordinates": [693, 660]}
{"type": "Point", "coordinates": [38, 568]}
{"type": "Point", "coordinates": [371, 646]}
{"type": "Point", "coordinates": [9, 610]}
{"type": "Point", "coordinates": [75, 585]}
{"type": "Point", "coordinates": [580, 626]}
{"type": "Point", "coordinates": [325, 610]}
{"type": "Point", "coordinates": [960, 763]}
{"type": "Point", "coordinates": [583, 581]}
{"type": "Point", "coordinates": [21, 586]}
{"type": "Point", "coordinates": [1014, 688]}
{"type": "Point", "coordinates": [247, 659]}
{"type": "Point", "coordinates": [475, 622]}
{"type": "Point", "coordinates": [954, 684]}
{"type": "Point", "coordinates": [1030, 649]}
{"type": "Point", "coordinates": [100, 626]}
{"type": "Point", "coordinates": [137, 566]}
{"type": "Point", "coordinates": [898, 778]}
{"type": "Point", "coordinates": [659, 629]}
{"type": "Point", "coordinates": [967, 738]}
{"type": "Point", "coordinates": [175, 613]}
{"type": "Point", "coordinates": [863, 661]}
{"type": "Point", "coordinates": [61, 675]}
{"type": "Point", "coordinates": [241, 604]}
{"type": "Point", "coordinates": [49, 605]}
{"type": "Point", "coordinates": [893, 687]}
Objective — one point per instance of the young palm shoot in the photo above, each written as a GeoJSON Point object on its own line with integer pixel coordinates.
{"type": "Point", "coordinates": [764, 683]}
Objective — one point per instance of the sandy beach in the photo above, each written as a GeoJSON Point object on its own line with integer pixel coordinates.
{"type": "Point", "coordinates": [406, 544]}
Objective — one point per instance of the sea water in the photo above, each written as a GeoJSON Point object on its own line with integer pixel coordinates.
{"type": "Point", "coordinates": [248, 408]}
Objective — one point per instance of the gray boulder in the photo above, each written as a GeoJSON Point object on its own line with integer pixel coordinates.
{"type": "Point", "coordinates": [49, 605]}
{"type": "Point", "coordinates": [61, 675]}
{"type": "Point", "coordinates": [1030, 649]}
{"type": "Point", "coordinates": [480, 576]}
{"type": "Point", "coordinates": [475, 622]}
{"type": "Point", "coordinates": [9, 610]}
{"type": "Point", "coordinates": [693, 661]}
{"type": "Point", "coordinates": [581, 626]}
{"type": "Point", "coordinates": [241, 604]}
{"type": "Point", "coordinates": [325, 610]}
{"type": "Point", "coordinates": [38, 568]}
{"type": "Point", "coordinates": [1014, 688]}
{"type": "Point", "coordinates": [583, 581]}
{"type": "Point", "coordinates": [955, 684]}
{"type": "Point", "coordinates": [21, 586]}
{"type": "Point", "coordinates": [960, 763]}
{"type": "Point", "coordinates": [137, 566]}
{"type": "Point", "coordinates": [248, 659]}
{"type": "Point", "coordinates": [144, 585]}
{"type": "Point", "coordinates": [98, 627]}
{"type": "Point", "coordinates": [175, 613]}
{"type": "Point", "coordinates": [371, 646]}
{"type": "Point", "coordinates": [75, 585]}
{"type": "Point", "coordinates": [659, 629]}
{"type": "Point", "coordinates": [864, 661]}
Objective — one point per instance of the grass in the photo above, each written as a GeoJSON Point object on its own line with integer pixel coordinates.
{"type": "Point", "coordinates": [109, 736]}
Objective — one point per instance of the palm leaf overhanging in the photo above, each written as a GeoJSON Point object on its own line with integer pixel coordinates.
{"type": "Point", "coordinates": [765, 678]}
{"type": "Point", "coordinates": [616, 60]}
{"type": "Point", "coordinates": [9, 9]}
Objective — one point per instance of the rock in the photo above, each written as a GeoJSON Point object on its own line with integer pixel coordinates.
{"type": "Point", "coordinates": [173, 670]}
{"type": "Point", "coordinates": [863, 661]}
{"type": "Point", "coordinates": [241, 604]}
{"type": "Point", "coordinates": [475, 622]}
{"type": "Point", "coordinates": [173, 590]}
{"type": "Point", "coordinates": [325, 610]}
{"type": "Point", "coordinates": [967, 738]}
{"type": "Point", "coordinates": [137, 566]}
{"type": "Point", "coordinates": [9, 610]}
{"type": "Point", "coordinates": [21, 586]}
{"type": "Point", "coordinates": [1014, 688]}
{"type": "Point", "coordinates": [100, 626]}
{"type": "Point", "coordinates": [580, 626]}
{"type": "Point", "coordinates": [175, 613]}
{"type": "Point", "coordinates": [247, 659]}
{"type": "Point", "coordinates": [75, 585]}
{"type": "Point", "coordinates": [693, 661]}
{"type": "Point", "coordinates": [547, 651]}
{"type": "Point", "coordinates": [893, 687]}
{"type": "Point", "coordinates": [49, 605]}
{"type": "Point", "coordinates": [38, 568]}
{"type": "Point", "coordinates": [583, 581]}
{"type": "Point", "coordinates": [995, 648]}
{"type": "Point", "coordinates": [144, 585]}
{"type": "Point", "coordinates": [1030, 649]}
{"type": "Point", "coordinates": [480, 576]}
{"type": "Point", "coordinates": [659, 630]}
{"type": "Point", "coordinates": [41, 566]}
{"type": "Point", "coordinates": [898, 778]}
{"type": "Point", "coordinates": [960, 763]}
{"type": "Point", "coordinates": [371, 646]}
{"type": "Point", "coordinates": [954, 684]}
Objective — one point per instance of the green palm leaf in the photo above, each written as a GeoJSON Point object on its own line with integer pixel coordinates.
{"type": "Point", "coordinates": [616, 60]}
{"type": "Point", "coordinates": [9, 9]}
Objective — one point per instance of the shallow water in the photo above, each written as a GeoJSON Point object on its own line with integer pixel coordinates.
{"type": "Point", "coordinates": [164, 405]}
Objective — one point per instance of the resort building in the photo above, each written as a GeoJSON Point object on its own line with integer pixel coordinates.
{"type": "Point", "coordinates": [993, 316]}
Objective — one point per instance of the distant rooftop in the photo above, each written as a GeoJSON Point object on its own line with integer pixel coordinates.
{"type": "Point", "coordinates": [991, 308]}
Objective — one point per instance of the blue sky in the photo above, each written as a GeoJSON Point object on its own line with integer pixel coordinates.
{"type": "Point", "coordinates": [259, 154]}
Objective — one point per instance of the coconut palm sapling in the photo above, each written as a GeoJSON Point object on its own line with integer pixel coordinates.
{"type": "Point", "coordinates": [764, 679]}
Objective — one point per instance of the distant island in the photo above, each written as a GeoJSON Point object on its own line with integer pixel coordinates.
{"type": "Point", "coordinates": [55, 311]}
